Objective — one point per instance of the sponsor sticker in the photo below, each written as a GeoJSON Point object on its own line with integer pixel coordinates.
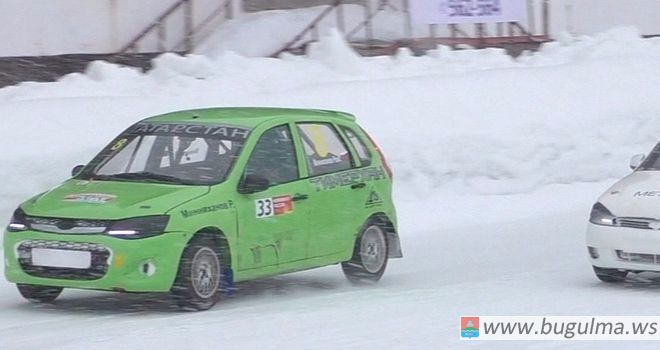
{"type": "Point", "coordinates": [347, 178]}
{"type": "Point", "coordinates": [192, 130]}
{"type": "Point", "coordinates": [647, 194]}
{"type": "Point", "coordinates": [186, 213]}
{"type": "Point", "coordinates": [267, 207]}
{"type": "Point", "coordinates": [95, 198]}
{"type": "Point", "coordinates": [373, 200]}
{"type": "Point", "coordinates": [282, 205]}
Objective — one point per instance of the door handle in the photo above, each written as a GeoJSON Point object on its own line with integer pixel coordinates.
{"type": "Point", "coordinates": [299, 197]}
{"type": "Point", "coordinates": [358, 185]}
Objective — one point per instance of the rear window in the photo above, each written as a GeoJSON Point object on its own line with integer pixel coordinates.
{"type": "Point", "coordinates": [362, 150]}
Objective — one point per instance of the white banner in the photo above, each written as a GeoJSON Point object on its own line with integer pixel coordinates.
{"type": "Point", "coordinates": [467, 11]}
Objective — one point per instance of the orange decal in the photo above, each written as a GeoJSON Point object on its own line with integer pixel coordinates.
{"type": "Point", "coordinates": [283, 204]}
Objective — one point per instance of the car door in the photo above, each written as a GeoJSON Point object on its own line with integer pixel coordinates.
{"type": "Point", "coordinates": [335, 199]}
{"type": "Point", "coordinates": [271, 227]}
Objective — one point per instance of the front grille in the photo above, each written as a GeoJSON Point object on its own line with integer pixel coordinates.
{"type": "Point", "coordinates": [638, 257]}
{"type": "Point", "coordinates": [67, 226]}
{"type": "Point", "coordinates": [98, 269]}
{"type": "Point", "coordinates": [641, 223]}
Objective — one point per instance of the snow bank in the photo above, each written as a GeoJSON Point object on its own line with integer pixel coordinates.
{"type": "Point", "coordinates": [253, 34]}
{"type": "Point", "coordinates": [473, 121]}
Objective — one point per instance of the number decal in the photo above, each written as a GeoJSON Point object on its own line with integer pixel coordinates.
{"type": "Point", "coordinates": [275, 206]}
{"type": "Point", "coordinates": [264, 207]}
{"type": "Point", "coordinates": [269, 207]}
{"type": "Point", "coordinates": [119, 144]}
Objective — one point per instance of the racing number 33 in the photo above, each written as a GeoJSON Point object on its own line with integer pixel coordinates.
{"type": "Point", "coordinates": [264, 207]}
{"type": "Point", "coordinates": [267, 207]}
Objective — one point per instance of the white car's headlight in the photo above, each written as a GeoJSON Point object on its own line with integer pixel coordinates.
{"type": "Point", "coordinates": [601, 216]}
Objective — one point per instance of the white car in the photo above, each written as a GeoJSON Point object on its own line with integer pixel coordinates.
{"type": "Point", "coordinates": [624, 227]}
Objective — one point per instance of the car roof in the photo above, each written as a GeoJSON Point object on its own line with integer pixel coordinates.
{"type": "Point", "coordinates": [247, 116]}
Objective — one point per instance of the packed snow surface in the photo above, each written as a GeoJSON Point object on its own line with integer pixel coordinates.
{"type": "Point", "coordinates": [497, 162]}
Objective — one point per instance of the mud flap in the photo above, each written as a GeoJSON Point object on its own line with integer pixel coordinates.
{"type": "Point", "coordinates": [394, 246]}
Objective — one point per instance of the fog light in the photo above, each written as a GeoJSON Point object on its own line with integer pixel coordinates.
{"type": "Point", "coordinates": [593, 252]}
{"type": "Point", "coordinates": [148, 268]}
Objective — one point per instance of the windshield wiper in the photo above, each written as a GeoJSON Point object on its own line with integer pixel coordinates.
{"type": "Point", "coordinates": [145, 175]}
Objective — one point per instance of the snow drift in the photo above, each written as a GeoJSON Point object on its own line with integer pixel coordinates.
{"type": "Point", "coordinates": [472, 121]}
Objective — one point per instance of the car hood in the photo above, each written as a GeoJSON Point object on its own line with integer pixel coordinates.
{"type": "Point", "coordinates": [110, 199]}
{"type": "Point", "coordinates": [636, 195]}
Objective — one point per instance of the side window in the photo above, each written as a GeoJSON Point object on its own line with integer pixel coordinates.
{"type": "Point", "coordinates": [362, 151]}
{"type": "Point", "coordinates": [274, 157]}
{"type": "Point", "coordinates": [325, 152]}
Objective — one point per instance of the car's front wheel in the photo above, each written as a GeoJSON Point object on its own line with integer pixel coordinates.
{"type": "Point", "coordinates": [39, 294]}
{"type": "Point", "coordinates": [199, 280]}
{"type": "Point", "coordinates": [369, 256]}
{"type": "Point", "coordinates": [610, 275]}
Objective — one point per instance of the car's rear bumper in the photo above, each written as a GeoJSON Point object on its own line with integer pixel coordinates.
{"type": "Point", "coordinates": [624, 248]}
{"type": "Point", "coordinates": [140, 265]}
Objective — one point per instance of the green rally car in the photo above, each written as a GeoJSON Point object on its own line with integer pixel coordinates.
{"type": "Point", "coordinates": [192, 201]}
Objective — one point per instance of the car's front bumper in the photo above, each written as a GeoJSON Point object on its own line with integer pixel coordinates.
{"type": "Point", "coordinates": [139, 265]}
{"type": "Point", "coordinates": [624, 248]}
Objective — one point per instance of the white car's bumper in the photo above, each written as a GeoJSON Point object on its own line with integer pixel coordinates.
{"type": "Point", "coordinates": [624, 248]}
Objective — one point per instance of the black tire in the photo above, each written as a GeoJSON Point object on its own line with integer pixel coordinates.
{"type": "Point", "coordinates": [369, 256]}
{"type": "Point", "coordinates": [199, 279]}
{"type": "Point", "coordinates": [39, 294]}
{"type": "Point", "coordinates": [610, 275]}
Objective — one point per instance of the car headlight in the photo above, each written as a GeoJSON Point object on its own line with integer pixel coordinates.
{"type": "Point", "coordinates": [18, 221]}
{"type": "Point", "coordinates": [140, 227]}
{"type": "Point", "coordinates": [601, 216]}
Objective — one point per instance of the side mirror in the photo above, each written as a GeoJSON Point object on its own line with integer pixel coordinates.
{"type": "Point", "coordinates": [637, 160]}
{"type": "Point", "coordinates": [76, 170]}
{"type": "Point", "coordinates": [253, 184]}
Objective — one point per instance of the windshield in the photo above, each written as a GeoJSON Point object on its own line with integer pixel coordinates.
{"type": "Point", "coordinates": [652, 162]}
{"type": "Point", "coordinates": [191, 154]}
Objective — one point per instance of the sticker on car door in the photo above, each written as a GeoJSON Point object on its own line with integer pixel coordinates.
{"type": "Point", "coordinates": [267, 207]}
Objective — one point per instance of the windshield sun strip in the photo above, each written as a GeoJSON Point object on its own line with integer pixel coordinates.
{"type": "Point", "coordinates": [234, 134]}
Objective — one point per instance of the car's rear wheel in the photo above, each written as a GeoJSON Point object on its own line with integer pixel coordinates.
{"type": "Point", "coordinates": [39, 294]}
{"type": "Point", "coordinates": [610, 275]}
{"type": "Point", "coordinates": [199, 280]}
{"type": "Point", "coordinates": [369, 256]}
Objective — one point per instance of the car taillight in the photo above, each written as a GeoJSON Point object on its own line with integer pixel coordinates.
{"type": "Point", "coordinates": [382, 156]}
